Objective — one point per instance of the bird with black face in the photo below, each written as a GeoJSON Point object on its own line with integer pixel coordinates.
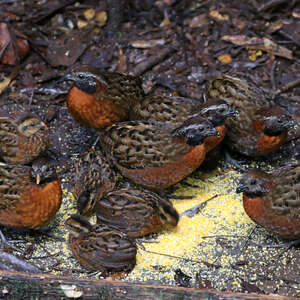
{"type": "Point", "coordinates": [100, 99]}
{"type": "Point", "coordinates": [29, 196]}
{"type": "Point", "coordinates": [260, 127]}
{"type": "Point", "coordinates": [155, 154]}
{"type": "Point", "coordinates": [176, 110]}
{"type": "Point", "coordinates": [273, 200]}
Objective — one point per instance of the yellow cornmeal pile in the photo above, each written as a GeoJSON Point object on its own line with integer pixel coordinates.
{"type": "Point", "coordinates": [223, 215]}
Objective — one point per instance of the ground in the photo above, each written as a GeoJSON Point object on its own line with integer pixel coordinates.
{"type": "Point", "coordinates": [175, 46]}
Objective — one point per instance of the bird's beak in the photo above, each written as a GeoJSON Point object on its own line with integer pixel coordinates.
{"type": "Point", "coordinates": [213, 132]}
{"type": "Point", "coordinates": [241, 188]}
{"type": "Point", "coordinates": [68, 77]}
{"type": "Point", "coordinates": [38, 179]}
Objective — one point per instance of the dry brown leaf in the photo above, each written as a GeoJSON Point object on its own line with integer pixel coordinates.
{"type": "Point", "coordinates": [4, 84]}
{"type": "Point", "coordinates": [258, 43]}
{"type": "Point", "coordinates": [89, 14]}
{"type": "Point", "coordinates": [217, 16]}
{"type": "Point", "coordinates": [199, 21]}
{"type": "Point", "coordinates": [242, 40]}
{"type": "Point", "coordinates": [225, 58]}
{"type": "Point", "coordinates": [274, 26]}
{"type": "Point", "coordinates": [277, 50]}
{"type": "Point", "coordinates": [147, 44]}
{"type": "Point", "coordinates": [13, 45]}
{"type": "Point", "coordinates": [81, 23]}
{"type": "Point", "coordinates": [101, 18]}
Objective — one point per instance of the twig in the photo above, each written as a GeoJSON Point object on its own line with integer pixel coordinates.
{"type": "Point", "coordinates": [191, 212]}
{"type": "Point", "coordinates": [287, 86]}
{"type": "Point", "coordinates": [153, 60]}
{"type": "Point", "coordinates": [269, 4]}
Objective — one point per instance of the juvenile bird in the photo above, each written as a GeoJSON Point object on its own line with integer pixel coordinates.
{"type": "Point", "coordinates": [273, 200]}
{"type": "Point", "coordinates": [100, 247]}
{"type": "Point", "coordinates": [23, 137]}
{"type": "Point", "coordinates": [260, 127]}
{"type": "Point", "coordinates": [100, 99]}
{"type": "Point", "coordinates": [136, 212]}
{"type": "Point", "coordinates": [156, 154]}
{"type": "Point", "coordinates": [94, 177]}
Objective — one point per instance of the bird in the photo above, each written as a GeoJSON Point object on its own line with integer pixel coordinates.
{"type": "Point", "coordinates": [100, 247]}
{"type": "Point", "coordinates": [176, 110]}
{"type": "Point", "coordinates": [23, 137]}
{"type": "Point", "coordinates": [260, 127]}
{"type": "Point", "coordinates": [100, 99]}
{"type": "Point", "coordinates": [25, 204]}
{"type": "Point", "coordinates": [94, 177]}
{"type": "Point", "coordinates": [136, 212]}
{"type": "Point", "coordinates": [272, 200]}
{"type": "Point", "coordinates": [155, 154]}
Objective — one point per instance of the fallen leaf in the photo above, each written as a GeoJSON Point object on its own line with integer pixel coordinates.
{"type": "Point", "coordinates": [89, 14]}
{"type": "Point", "coordinates": [277, 50]}
{"type": "Point", "coordinates": [199, 21]}
{"type": "Point", "coordinates": [101, 18]}
{"type": "Point", "coordinates": [66, 50]}
{"type": "Point", "coordinates": [258, 43]}
{"type": "Point", "coordinates": [81, 23]}
{"type": "Point", "coordinates": [217, 16]}
{"type": "Point", "coordinates": [225, 58]}
{"type": "Point", "coordinates": [242, 40]}
{"type": "Point", "coordinates": [13, 45]}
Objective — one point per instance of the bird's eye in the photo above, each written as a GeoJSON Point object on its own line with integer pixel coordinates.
{"type": "Point", "coordinates": [80, 76]}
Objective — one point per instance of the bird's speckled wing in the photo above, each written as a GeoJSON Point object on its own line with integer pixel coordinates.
{"type": "Point", "coordinates": [140, 144]}
{"type": "Point", "coordinates": [287, 185]}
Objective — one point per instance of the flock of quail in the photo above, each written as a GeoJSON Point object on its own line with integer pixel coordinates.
{"type": "Point", "coordinates": [154, 141]}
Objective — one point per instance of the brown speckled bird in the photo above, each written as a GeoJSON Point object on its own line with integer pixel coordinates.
{"type": "Point", "coordinates": [136, 212]}
{"type": "Point", "coordinates": [260, 127]}
{"type": "Point", "coordinates": [23, 137]}
{"type": "Point", "coordinates": [23, 203]}
{"type": "Point", "coordinates": [94, 178]}
{"type": "Point", "coordinates": [273, 200]}
{"type": "Point", "coordinates": [176, 110]}
{"type": "Point", "coordinates": [100, 247]}
{"type": "Point", "coordinates": [155, 154]}
{"type": "Point", "coordinates": [100, 99]}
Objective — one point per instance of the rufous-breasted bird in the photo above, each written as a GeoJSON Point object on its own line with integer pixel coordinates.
{"type": "Point", "coordinates": [273, 200]}
{"type": "Point", "coordinates": [261, 127]}
{"type": "Point", "coordinates": [100, 99]}
{"type": "Point", "coordinates": [156, 154]}
{"type": "Point", "coordinates": [176, 110]}
{"type": "Point", "coordinates": [24, 203]}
